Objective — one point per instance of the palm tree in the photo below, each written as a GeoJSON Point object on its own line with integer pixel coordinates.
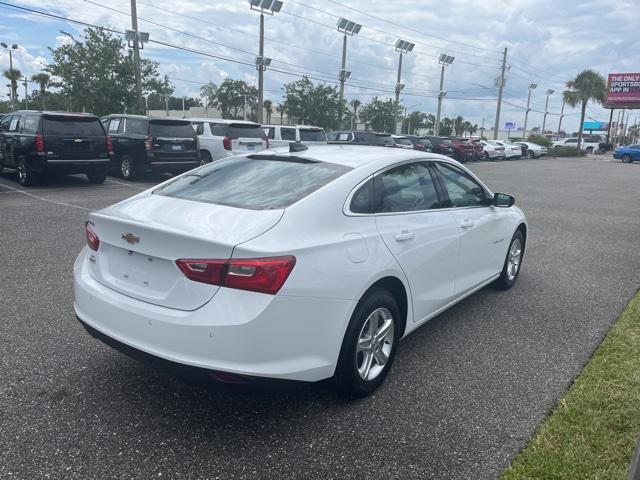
{"type": "Point", "coordinates": [355, 104]}
{"type": "Point", "coordinates": [267, 107]}
{"type": "Point", "coordinates": [281, 110]}
{"type": "Point", "coordinates": [13, 75]}
{"type": "Point", "coordinates": [42, 78]}
{"type": "Point", "coordinates": [588, 85]}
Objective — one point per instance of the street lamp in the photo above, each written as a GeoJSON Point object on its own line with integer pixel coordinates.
{"type": "Point", "coordinates": [532, 86]}
{"type": "Point", "coordinates": [346, 27]}
{"type": "Point", "coordinates": [270, 7]}
{"type": "Point", "coordinates": [443, 60]}
{"type": "Point", "coordinates": [402, 46]}
{"type": "Point", "coordinates": [12, 95]}
{"type": "Point", "coordinates": [546, 109]}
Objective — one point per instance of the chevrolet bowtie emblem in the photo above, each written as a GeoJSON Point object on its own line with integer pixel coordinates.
{"type": "Point", "coordinates": [130, 238]}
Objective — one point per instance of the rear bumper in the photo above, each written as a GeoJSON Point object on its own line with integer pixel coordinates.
{"type": "Point", "coordinates": [244, 333]}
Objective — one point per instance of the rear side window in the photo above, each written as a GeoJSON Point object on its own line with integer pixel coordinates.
{"type": "Point", "coordinates": [312, 135]}
{"type": "Point", "coordinates": [288, 134]}
{"type": "Point", "coordinates": [243, 130]}
{"type": "Point", "coordinates": [168, 128]}
{"type": "Point", "coordinates": [254, 183]}
{"type": "Point", "coordinates": [362, 200]}
{"type": "Point", "coordinates": [72, 126]}
{"type": "Point", "coordinates": [270, 132]}
{"type": "Point", "coordinates": [198, 127]}
{"type": "Point", "coordinates": [136, 126]}
{"type": "Point", "coordinates": [219, 129]}
{"type": "Point", "coordinates": [406, 188]}
{"type": "Point", "coordinates": [114, 126]}
{"type": "Point", "coordinates": [30, 124]}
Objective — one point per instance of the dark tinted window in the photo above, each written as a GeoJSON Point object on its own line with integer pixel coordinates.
{"type": "Point", "coordinates": [4, 123]}
{"type": "Point", "coordinates": [366, 137]}
{"type": "Point", "coordinates": [312, 135]}
{"type": "Point", "coordinates": [403, 141]}
{"type": "Point", "coordinates": [245, 130]}
{"type": "Point", "coordinates": [463, 190]}
{"type": "Point", "coordinates": [269, 132]}
{"type": "Point", "coordinates": [219, 129]}
{"type": "Point", "coordinates": [171, 128]}
{"type": "Point", "coordinates": [288, 134]}
{"type": "Point", "coordinates": [14, 125]}
{"type": "Point", "coordinates": [424, 141]}
{"type": "Point", "coordinates": [362, 200]}
{"type": "Point", "coordinates": [406, 188]}
{"type": "Point", "coordinates": [256, 183]}
{"type": "Point", "coordinates": [136, 126]}
{"type": "Point", "coordinates": [385, 140]}
{"type": "Point", "coordinates": [72, 126]}
{"type": "Point", "coordinates": [30, 124]}
{"type": "Point", "coordinates": [198, 127]}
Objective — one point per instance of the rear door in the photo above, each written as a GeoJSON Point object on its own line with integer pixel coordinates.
{"type": "Point", "coordinates": [173, 140]}
{"type": "Point", "coordinates": [73, 137]}
{"type": "Point", "coordinates": [482, 227]}
{"type": "Point", "coordinates": [422, 237]}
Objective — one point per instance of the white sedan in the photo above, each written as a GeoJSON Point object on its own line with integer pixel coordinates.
{"type": "Point", "coordinates": [511, 150]}
{"type": "Point", "coordinates": [532, 150]}
{"type": "Point", "coordinates": [298, 265]}
{"type": "Point", "coordinates": [491, 151]}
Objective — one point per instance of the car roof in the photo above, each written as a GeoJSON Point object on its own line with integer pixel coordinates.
{"type": "Point", "coordinates": [292, 126]}
{"type": "Point", "coordinates": [221, 120]}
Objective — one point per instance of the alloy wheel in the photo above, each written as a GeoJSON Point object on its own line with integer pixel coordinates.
{"type": "Point", "coordinates": [125, 168]}
{"type": "Point", "coordinates": [374, 344]}
{"type": "Point", "coordinates": [22, 173]}
{"type": "Point", "coordinates": [513, 262]}
{"type": "Point", "coordinates": [626, 159]}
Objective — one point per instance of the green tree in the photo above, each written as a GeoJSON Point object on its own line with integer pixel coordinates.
{"type": "Point", "coordinates": [430, 123]}
{"type": "Point", "coordinates": [230, 98]}
{"type": "Point", "coordinates": [381, 114]}
{"type": "Point", "coordinates": [208, 93]}
{"type": "Point", "coordinates": [95, 72]}
{"type": "Point", "coordinates": [588, 85]}
{"type": "Point", "coordinates": [268, 107]}
{"type": "Point", "coordinates": [458, 126]}
{"type": "Point", "coordinates": [13, 75]}
{"type": "Point", "coordinates": [281, 109]}
{"type": "Point", "coordinates": [447, 126]}
{"type": "Point", "coordinates": [414, 122]}
{"type": "Point", "coordinates": [42, 79]}
{"type": "Point", "coordinates": [160, 96]}
{"type": "Point", "coordinates": [313, 104]}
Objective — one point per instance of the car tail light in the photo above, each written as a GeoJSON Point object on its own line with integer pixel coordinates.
{"type": "Point", "coordinates": [148, 143]}
{"type": "Point", "coordinates": [92, 239]}
{"type": "Point", "coordinates": [39, 143]}
{"type": "Point", "coordinates": [109, 145]}
{"type": "Point", "coordinates": [264, 275]}
{"type": "Point", "coordinates": [226, 142]}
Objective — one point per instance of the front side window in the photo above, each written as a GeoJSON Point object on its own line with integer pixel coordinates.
{"type": "Point", "coordinates": [4, 123]}
{"type": "Point", "coordinates": [288, 134]}
{"type": "Point", "coordinates": [406, 188]}
{"type": "Point", "coordinates": [463, 190]}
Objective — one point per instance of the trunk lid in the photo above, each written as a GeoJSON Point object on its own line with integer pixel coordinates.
{"type": "Point", "coordinates": [246, 137]}
{"type": "Point", "coordinates": [141, 238]}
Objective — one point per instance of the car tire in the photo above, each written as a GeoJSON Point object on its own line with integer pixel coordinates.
{"type": "Point", "coordinates": [364, 364]}
{"type": "Point", "coordinates": [530, 154]}
{"type": "Point", "coordinates": [128, 170]}
{"type": "Point", "coordinates": [512, 262]}
{"type": "Point", "coordinates": [205, 157]}
{"type": "Point", "coordinates": [26, 176]}
{"type": "Point", "coordinates": [590, 150]}
{"type": "Point", "coordinates": [626, 159]}
{"type": "Point", "coordinates": [486, 156]}
{"type": "Point", "coordinates": [96, 177]}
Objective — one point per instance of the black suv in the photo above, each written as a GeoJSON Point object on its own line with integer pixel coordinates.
{"type": "Point", "coordinates": [142, 144]}
{"type": "Point", "coordinates": [360, 137]}
{"type": "Point", "coordinates": [38, 143]}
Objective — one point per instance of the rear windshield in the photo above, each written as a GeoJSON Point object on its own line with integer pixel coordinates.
{"type": "Point", "coordinates": [246, 131]}
{"type": "Point", "coordinates": [312, 135]}
{"type": "Point", "coordinates": [383, 140]}
{"type": "Point", "coordinates": [403, 141]}
{"type": "Point", "coordinates": [72, 126]}
{"type": "Point", "coordinates": [254, 183]}
{"type": "Point", "coordinates": [446, 141]}
{"type": "Point", "coordinates": [170, 128]}
{"type": "Point", "coordinates": [423, 141]}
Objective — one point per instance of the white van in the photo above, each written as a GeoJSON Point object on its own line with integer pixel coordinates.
{"type": "Point", "coordinates": [283, 135]}
{"type": "Point", "coordinates": [220, 138]}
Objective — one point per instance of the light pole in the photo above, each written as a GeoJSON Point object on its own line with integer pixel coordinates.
{"type": "Point", "coordinates": [443, 60]}
{"type": "Point", "coordinates": [14, 46]}
{"type": "Point", "coordinates": [345, 27]}
{"type": "Point", "coordinates": [269, 7]}
{"type": "Point", "coordinates": [532, 86]}
{"type": "Point", "coordinates": [546, 109]}
{"type": "Point", "coordinates": [500, 88]}
{"type": "Point", "coordinates": [136, 40]}
{"type": "Point", "coordinates": [402, 46]}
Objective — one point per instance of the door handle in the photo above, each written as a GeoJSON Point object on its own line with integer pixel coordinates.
{"type": "Point", "coordinates": [405, 235]}
{"type": "Point", "coordinates": [466, 223]}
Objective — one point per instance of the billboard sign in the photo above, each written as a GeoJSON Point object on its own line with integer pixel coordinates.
{"type": "Point", "coordinates": [595, 125]}
{"type": "Point", "coordinates": [510, 126]}
{"type": "Point", "coordinates": [623, 90]}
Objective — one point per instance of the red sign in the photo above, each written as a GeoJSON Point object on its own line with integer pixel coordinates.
{"type": "Point", "coordinates": [623, 90]}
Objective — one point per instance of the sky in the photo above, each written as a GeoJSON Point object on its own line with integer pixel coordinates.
{"type": "Point", "coordinates": [548, 43]}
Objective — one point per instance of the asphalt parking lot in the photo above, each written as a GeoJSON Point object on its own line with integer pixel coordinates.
{"type": "Point", "coordinates": [465, 394]}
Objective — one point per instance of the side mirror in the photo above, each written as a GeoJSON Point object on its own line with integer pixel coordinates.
{"type": "Point", "coordinates": [503, 200]}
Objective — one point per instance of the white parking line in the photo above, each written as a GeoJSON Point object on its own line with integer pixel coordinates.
{"type": "Point", "coordinates": [132, 185]}
{"type": "Point", "coordinates": [46, 199]}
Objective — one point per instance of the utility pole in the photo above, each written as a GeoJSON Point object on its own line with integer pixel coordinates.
{"type": "Point", "coordinates": [500, 87]}
{"type": "Point", "coordinates": [526, 115]}
{"type": "Point", "coordinates": [609, 126]}
{"type": "Point", "coordinates": [560, 121]}
{"type": "Point", "coordinates": [261, 69]}
{"type": "Point", "coordinates": [443, 60]}
{"type": "Point", "coordinates": [136, 56]}
{"type": "Point", "coordinates": [26, 94]}
{"type": "Point", "coordinates": [546, 109]}
{"type": "Point", "coordinates": [343, 72]}
{"type": "Point", "coordinates": [183, 114]}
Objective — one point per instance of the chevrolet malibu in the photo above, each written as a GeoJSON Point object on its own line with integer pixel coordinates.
{"type": "Point", "coordinates": [300, 265]}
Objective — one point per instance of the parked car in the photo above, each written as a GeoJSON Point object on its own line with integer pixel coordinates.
{"type": "Point", "coordinates": [283, 135]}
{"type": "Point", "coordinates": [319, 268]}
{"type": "Point", "coordinates": [421, 143]}
{"type": "Point", "coordinates": [491, 151]}
{"type": "Point", "coordinates": [360, 137]}
{"type": "Point", "coordinates": [442, 145]}
{"type": "Point", "coordinates": [587, 145]}
{"type": "Point", "coordinates": [464, 151]}
{"type": "Point", "coordinates": [511, 150]}
{"type": "Point", "coordinates": [531, 150]}
{"type": "Point", "coordinates": [401, 141]}
{"type": "Point", "coordinates": [142, 144]}
{"type": "Point", "coordinates": [628, 154]}
{"type": "Point", "coordinates": [219, 138]}
{"type": "Point", "coordinates": [38, 143]}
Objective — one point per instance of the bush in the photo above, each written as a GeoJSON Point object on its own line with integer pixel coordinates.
{"type": "Point", "coordinates": [540, 140]}
{"type": "Point", "coordinates": [565, 152]}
